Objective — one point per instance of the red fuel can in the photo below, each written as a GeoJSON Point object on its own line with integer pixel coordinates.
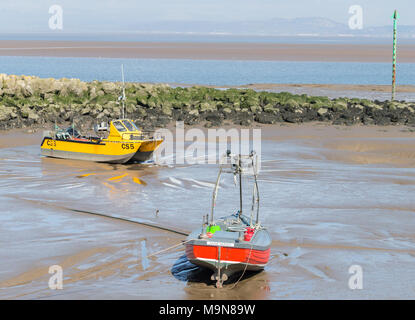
{"type": "Point", "coordinates": [249, 233]}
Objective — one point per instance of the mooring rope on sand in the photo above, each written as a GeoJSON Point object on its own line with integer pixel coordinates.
{"type": "Point", "coordinates": [146, 224]}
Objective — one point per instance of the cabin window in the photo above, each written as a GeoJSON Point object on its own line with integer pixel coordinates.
{"type": "Point", "coordinates": [128, 125]}
{"type": "Point", "coordinates": [135, 127]}
{"type": "Point", "coordinates": [118, 125]}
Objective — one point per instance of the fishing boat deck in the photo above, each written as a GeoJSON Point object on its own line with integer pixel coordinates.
{"type": "Point", "coordinates": [231, 233]}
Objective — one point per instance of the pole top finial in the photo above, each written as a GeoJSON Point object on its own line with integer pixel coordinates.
{"type": "Point", "coordinates": [395, 15]}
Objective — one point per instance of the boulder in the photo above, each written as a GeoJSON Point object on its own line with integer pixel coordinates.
{"type": "Point", "coordinates": [5, 113]}
{"type": "Point", "coordinates": [110, 88]}
{"type": "Point", "coordinates": [33, 116]}
{"type": "Point", "coordinates": [166, 109]}
{"type": "Point", "coordinates": [194, 112]}
{"type": "Point", "coordinates": [322, 111]}
{"type": "Point", "coordinates": [207, 106]}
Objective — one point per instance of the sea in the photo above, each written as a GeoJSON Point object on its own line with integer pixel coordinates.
{"type": "Point", "coordinates": [209, 72]}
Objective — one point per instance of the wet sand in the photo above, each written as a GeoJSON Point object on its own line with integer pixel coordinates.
{"type": "Point", "coordinates": [361, 91]}
{"type": "Point", "coordinates": [334, 87]}
{"type": "Point", "coordinates": [372, 92]}
{"type": "Point", "coordinates": [332, 197]}
{"type": "Point", "coordinates": [210, 51]}
{"type": "Point", "coordinates": [19, 137]}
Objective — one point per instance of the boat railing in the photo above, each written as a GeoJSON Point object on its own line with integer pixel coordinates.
{"type": "Point", "coordinates": [239, 165]}
{"type": "Point", "coordinates": [233, 163]}
{"type": "Point", "coordinates": [62, 135]}
{"type": "Point", "coordinates": [143, 135]}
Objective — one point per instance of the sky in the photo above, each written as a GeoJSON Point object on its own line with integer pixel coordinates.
{"type": "Point", "coordinates": [119, 15]}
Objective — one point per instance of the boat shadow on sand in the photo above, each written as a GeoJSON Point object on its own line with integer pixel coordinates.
{"type": "Point", "coordinates": [184, 270]}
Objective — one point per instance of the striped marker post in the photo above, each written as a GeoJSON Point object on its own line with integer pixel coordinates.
{"type": "Point", "coordinates": [395, 21]}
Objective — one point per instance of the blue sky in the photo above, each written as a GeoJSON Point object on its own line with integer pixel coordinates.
{"type": "Point", "coordinates": [115, 15]}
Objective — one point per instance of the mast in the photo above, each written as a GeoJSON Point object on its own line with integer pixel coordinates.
{"type": "Point", "coordinates": [255, 168]}
{"type": "Point", "coordinates": [123, 90]}
{"type": "Point", "coordinates": [240, 185]}
{"type": "Point", "coordinates": [215, 193]}
{"type": "Point", "coordinates": [236, 168]}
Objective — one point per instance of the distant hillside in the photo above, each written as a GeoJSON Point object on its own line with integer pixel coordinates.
{"type": "Point", "coordinates": [313, 26]}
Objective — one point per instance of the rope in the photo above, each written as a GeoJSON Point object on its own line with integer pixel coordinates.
{"type": "Point", "coordinates": [128, 220]}
{"type": "Point", "coordinates": [146, 224]}
{"type": "Point", "coordinates": [183, 242]}
{"type": "Point", "coordinates": [246, 266]}
{"type": "Point", "coordinates": [167, 249]}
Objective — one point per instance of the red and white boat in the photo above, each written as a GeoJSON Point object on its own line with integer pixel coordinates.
{"type": "Point", "coordinates": [234, 243]}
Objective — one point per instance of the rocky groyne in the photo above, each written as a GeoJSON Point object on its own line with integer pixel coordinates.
{"type": "Point", "coordinates": [27, 101]}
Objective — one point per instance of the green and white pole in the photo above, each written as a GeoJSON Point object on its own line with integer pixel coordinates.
{"type": "Point", "coordinates": [395, 21]}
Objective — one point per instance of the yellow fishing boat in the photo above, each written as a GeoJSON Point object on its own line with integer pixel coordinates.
{"type": "Point", "coordinates": [125, 143]}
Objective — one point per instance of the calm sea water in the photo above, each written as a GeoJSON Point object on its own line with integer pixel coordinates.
{"type": "Point", "coordinates": [213, 72]}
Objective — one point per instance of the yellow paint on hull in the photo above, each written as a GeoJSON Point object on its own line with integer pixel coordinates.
{"type": "Point", "coordinates": [148, 146]}
{"type": "Point", "coordinates": [104, 148]}
{"type": "Point", "coordinates": [106, 151]}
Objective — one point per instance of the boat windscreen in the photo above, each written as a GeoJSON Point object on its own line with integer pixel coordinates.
{"type": "Point", "coordinates": [118, 125]}
{"type": "Point", "coordinates": [128, 125]}
{"type": "Point", "coordinates": [135, 127]}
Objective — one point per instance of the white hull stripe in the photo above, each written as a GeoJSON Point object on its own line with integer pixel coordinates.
{"type": "Point", "coordinates": [231, 262]}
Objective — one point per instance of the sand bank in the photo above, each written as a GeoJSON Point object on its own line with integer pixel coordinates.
{"type": "Point", "coordinates": [19, 137]}
{"type": "Point", "coordinates": [333, 87]}
{"type": "Point", "coordinates": [361, 91]}
{"type": "Point", "coordinates": [210, 51]}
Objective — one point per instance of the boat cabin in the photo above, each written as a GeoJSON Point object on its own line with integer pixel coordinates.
{"type": "Point", "coordinates": [124, 129]}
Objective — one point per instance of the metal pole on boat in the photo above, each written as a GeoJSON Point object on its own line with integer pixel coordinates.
{"type": "Point", "coordinates": [395, 21]}
{"type": "Point", "coordinates": [73, 123]}
{"type": "Point", "coordinates": [255, 192]}
{"type": "Point", "coordinates": [215, 193]}
{"type": "Point", "coordinates": [240, 185]}
{"type": "Point", "coordinates": [253, 206]}
{"type": "Point", "coordinates": [255, 168]}
{"type": "Point", "coordinates": [123, 90]}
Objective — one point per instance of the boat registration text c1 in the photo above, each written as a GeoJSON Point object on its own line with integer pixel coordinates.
{"type": "Point", "coordinates": [51, 143]}
{"type": "Point", "coordinates": [220, 244]}
{"type": "Point", "coordinates": [127, 146]}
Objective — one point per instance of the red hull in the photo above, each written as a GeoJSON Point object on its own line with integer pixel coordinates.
{"type": "Point", "coordinates": [229, 255]}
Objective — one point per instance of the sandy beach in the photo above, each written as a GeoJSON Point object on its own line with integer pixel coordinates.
{"type": "Point", "coordinates": [209, 51]}
{"type": "Point", "coordinates": [332, 197]}
{"type": "Point", "coordinates": [332, 87]}
{"type": "Point", "coordinates": [361, 91]}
